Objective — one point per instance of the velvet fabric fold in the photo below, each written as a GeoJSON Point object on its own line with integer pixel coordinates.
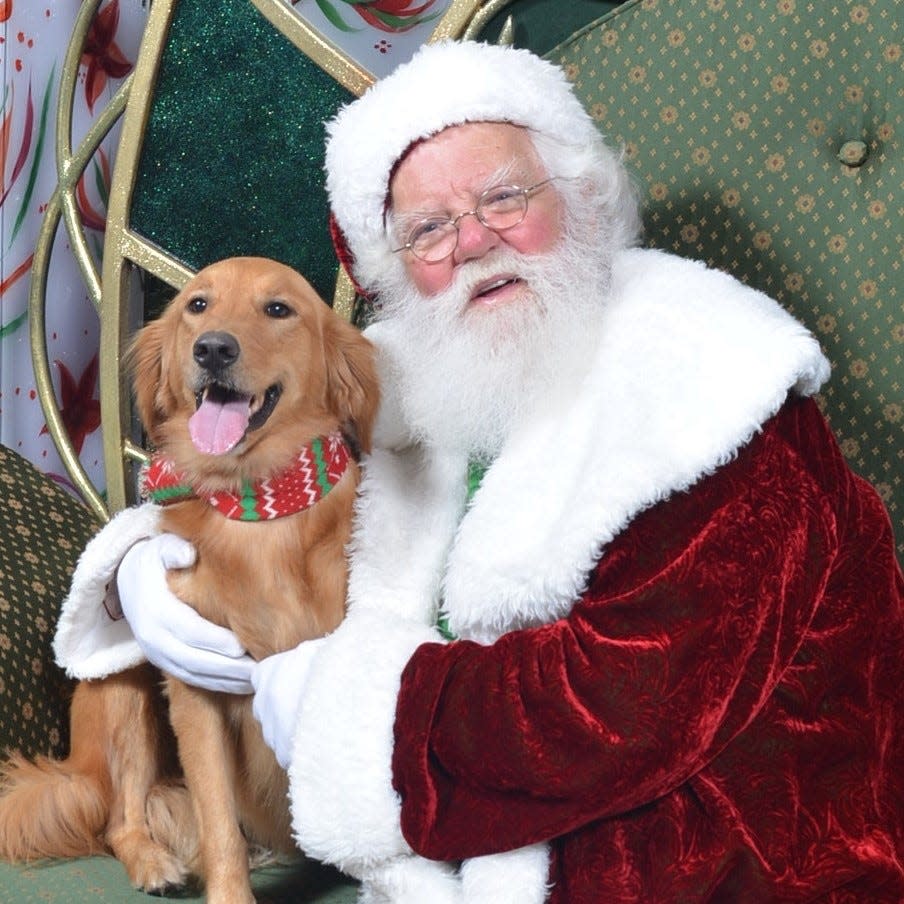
{"type": "Point", "coordinates": [743, 742]}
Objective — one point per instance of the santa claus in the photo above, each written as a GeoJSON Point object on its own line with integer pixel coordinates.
{"type": "Point", "coordinates": [616, 601]}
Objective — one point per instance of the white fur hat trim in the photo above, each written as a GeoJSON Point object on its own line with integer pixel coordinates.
{"type": "Point", "coordinates": [444, 84]}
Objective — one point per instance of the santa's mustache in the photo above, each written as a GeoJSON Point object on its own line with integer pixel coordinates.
{"type": "Point", "coordinates": [471, 277]}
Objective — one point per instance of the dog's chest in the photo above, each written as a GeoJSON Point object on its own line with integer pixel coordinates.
{"type": "Point", "coordinates": [255, 578]}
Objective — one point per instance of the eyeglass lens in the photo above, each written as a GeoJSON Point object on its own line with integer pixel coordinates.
{"type": "Point", "coordinates": [498, 208]}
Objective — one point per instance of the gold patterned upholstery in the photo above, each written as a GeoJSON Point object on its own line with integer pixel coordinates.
{"type": "Point", "coordinates": [767, 140]}
{"type": "Point", "coordinates": [42, 531]}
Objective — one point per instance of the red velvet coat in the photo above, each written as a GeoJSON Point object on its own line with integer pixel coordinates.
{"type": "Point", "coordinates": [745, 742]}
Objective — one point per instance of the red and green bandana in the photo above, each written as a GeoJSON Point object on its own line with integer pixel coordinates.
{"type": "Point", "coordinates": [317, 469]}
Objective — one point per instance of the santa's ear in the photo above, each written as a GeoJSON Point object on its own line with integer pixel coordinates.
{"type": "Point", "coordinates": [352, 388]}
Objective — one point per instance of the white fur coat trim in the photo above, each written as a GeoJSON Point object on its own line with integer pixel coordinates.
{"type": "Point", "coordinates": [691, 363]}
{"type": "Point", "coordinates": [89, 641]}
{"type": "Point", "coordinates": [351, 817]}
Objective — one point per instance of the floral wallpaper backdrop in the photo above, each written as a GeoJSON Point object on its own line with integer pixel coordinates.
{"type": "Point", "coordinates": [377, 34]}
{"type": "Point", "coordinates": [34, 36]}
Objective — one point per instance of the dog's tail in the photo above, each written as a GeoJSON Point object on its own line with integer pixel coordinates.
{"type": "Point", "coordinates": [51, 808]}
{"type": "Point", "coordinates": [94, 800]}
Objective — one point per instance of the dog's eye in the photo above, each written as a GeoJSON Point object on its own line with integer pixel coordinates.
{"type": "Point", "coordinates": [277, 309]}
{"type": "Point", "coordinates": [196, 306]}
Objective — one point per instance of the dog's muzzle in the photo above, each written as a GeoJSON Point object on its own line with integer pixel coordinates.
{"type": "Point", "coordinates": [224, 412]}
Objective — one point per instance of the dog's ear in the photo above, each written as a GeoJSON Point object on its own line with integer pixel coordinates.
{"type": "Point", "coordinates": [352, 387]}
{"type": "Point", "coordinates": [144, 362]}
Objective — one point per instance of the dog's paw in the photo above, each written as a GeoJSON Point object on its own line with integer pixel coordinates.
{"type": "Point", "coordinates": [155, 870]}
{"type": "Point", "coordinates": [151, 866]}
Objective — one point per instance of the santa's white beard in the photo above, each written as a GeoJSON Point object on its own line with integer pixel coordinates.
{"type": "Point", "coordinates": [470, 374]}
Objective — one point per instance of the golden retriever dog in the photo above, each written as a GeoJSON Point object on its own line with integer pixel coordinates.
{"type": "Point", "coordinates": [257, 399]}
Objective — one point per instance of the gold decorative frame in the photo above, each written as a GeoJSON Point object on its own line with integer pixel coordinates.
{"type": "Point", "coordinates": [62, 205]}
{"type": "Point", "coordinates": [123, 249]}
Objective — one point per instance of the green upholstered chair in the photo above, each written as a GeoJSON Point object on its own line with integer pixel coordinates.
{"type": "Point", "coordinates": [765, 139]}
{"type": "Point", "coordinates": [768, 140]}
{"type": "Point", "coordinates": [34, 577]}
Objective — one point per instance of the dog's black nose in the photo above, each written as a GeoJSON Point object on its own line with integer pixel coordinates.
{"type": "Point", "coordinates": [215, 351]}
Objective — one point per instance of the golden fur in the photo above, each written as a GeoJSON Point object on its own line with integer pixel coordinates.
{"type": "Point", "coordinates": [275, 583]}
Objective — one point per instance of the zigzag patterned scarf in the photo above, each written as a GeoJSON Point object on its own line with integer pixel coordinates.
{"type": "Point", "coordinates": [317, 469]}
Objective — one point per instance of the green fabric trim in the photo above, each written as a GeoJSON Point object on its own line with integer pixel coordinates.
{"type": "Point", "coordinates": [167, 494]}
{"type": "Point", "coordinates": [442, 625]}
{"type": "Point", "coordinates": [477, 468]}
{"type": "Point", "coordinates": [320, 460]}
{"type": "Point", "coordinates": [476, 471]}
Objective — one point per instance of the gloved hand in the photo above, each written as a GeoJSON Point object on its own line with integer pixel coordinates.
{"type": "Point", "coordinates": [279, 683]}
{"type": "Point", "coordinates": [171, 634]}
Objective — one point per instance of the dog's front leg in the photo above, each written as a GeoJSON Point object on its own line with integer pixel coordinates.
{"type": "Point", "coordinates": [129, 706]}
{"type": "Point", "coordinates": [208, 756]}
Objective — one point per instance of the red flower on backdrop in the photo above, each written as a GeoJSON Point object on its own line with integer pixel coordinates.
{"type": "Point", "coordinates": [395, 16]}
{"type": "Point", "coordinates": [90, 215]}
{"type": "Point", "coordinates": [6, 10]}
{"type": "Point", "coordinates": [101, 54]}
{"type": "Point", "coordinates": [28, 125]}
{"type": "Point", "coordinates": [79, 409]}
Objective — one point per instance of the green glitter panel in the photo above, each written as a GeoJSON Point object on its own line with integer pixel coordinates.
{"type": "Point", "coordinates": [232, 159]}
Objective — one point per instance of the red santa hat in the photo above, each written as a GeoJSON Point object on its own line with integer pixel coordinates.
{"type": "Point", "coordinates": [444, 84]}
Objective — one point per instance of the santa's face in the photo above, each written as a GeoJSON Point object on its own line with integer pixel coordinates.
{"type": "Point", "coordinates": [509, 322]}
{"type": "Point", "coordinates": [446, 175]}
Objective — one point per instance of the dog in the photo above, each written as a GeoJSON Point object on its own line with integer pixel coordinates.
{"type": "Point", "coordinates": [247, 384]}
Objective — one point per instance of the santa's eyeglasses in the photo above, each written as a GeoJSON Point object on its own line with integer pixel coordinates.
{"type": "Point", "coordinates": [498, 208]}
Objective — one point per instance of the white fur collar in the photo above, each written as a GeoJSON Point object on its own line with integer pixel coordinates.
{"type": "Point", "coordinates": [691, 364]}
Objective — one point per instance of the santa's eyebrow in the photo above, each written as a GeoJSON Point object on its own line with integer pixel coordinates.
{"type": "Point", "coordinates": [503, 175]}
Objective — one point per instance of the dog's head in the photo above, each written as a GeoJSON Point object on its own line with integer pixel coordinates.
{"type": "Point", "coordinates": [244, 366]}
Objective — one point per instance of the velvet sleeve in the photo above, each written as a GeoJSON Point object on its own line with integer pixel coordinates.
{"type": "Point", "coordinates": [687, 624]}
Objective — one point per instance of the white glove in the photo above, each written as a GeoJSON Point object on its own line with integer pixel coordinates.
{"type": "Point", "coordinates": [279, 683]}
{"type": "Point", "coordinates": [170, 633]}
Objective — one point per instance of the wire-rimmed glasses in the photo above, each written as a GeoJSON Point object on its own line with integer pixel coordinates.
{"type": "Point", "coordinates": [498, 208]}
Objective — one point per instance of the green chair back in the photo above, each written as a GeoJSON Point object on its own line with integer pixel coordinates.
{"type": "Point", "coordinates": [766, 139]}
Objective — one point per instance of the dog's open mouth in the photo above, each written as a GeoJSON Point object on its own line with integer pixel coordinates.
{"type": "Point", "coordinates": [224, 416]}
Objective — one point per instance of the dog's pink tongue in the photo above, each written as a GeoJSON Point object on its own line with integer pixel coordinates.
{"type": "Point", "coordinates": [217, 426]}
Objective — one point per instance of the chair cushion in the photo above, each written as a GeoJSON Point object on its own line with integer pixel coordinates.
{"type": "Point", "coordinates": [42, 531]}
